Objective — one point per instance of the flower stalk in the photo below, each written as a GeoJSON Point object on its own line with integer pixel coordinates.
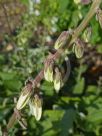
{"type": "Point", "coordinates": [77, 31]}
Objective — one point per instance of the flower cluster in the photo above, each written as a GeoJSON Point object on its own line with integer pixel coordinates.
{"type": "Point", "coordinates": [52, 74]}
{"type": "Point", "coordinates": [33, 98]}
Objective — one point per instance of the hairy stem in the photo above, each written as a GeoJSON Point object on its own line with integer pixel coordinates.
{"type": "Point", "coordinates": [55, 56]}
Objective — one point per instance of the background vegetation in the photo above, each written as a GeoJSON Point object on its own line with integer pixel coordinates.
{"type": "Point", "coordinates": [28, 28]}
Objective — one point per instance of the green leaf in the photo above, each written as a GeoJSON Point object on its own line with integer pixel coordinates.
{"type": "Point", "coordinates": [7, 75]}
{"type": "Point", "coordinates": [13, 85]}
{"type": "Point", "coordinates": [63, 5]}
{"type": "Point", "coordinates": [2, 59]}
{"type": "Point", "coordinates": [66, 122]}
{"type": "Point", "coordinates": [92, 89]}
{"type": "Point", "coordinates": [48, 88]}
{"type": "Point", "coordinates": [59, 122]}
{"type": "Point", "coordinates": [78, 89]}
{"type": "Point", "coordinates": [51, 122]}
{"type": "Point", "coordinates": [95, 117]}
{"type": "Point", "coordinates": [25, 1]}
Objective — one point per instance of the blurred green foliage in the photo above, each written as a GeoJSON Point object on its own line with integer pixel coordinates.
{"type": "Point", "coordinates": [77, 109]}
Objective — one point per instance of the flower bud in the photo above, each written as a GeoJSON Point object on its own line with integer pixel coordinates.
{"type": "Point", "coordinates": [57, 80]}
{"type": "Point", "coordinates": [48, 71]}
{"type": "Point", "coordinates": [61, 41]}
{"type": "Point", "coordinates": [24, 98]}
{"type": "Point", "coordinates": [77, 1]}
{"type": "Point", "coordinates": [99, 16]}
{"type": "Point", "coordinates": [35, 105]}
{"type": "Point", "coordinates": [87, 34]}
{"type": "Point", "coordinates": [78, 49]}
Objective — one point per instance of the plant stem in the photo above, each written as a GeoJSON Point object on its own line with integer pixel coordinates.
{"type": "Point", "coordinates": [55, 56]}
{"type": "Point", "coordinates": [11, 121]}
{"type": "Point", "coordinates": [7, 18]}
{"type": "Point", "coordinates": [86, 20]}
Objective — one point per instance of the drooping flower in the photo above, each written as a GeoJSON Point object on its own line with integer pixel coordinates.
{"type": "Point", "coordinates": [35, 105]}
{"type": "Point", "coordinates": [57, 80]}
